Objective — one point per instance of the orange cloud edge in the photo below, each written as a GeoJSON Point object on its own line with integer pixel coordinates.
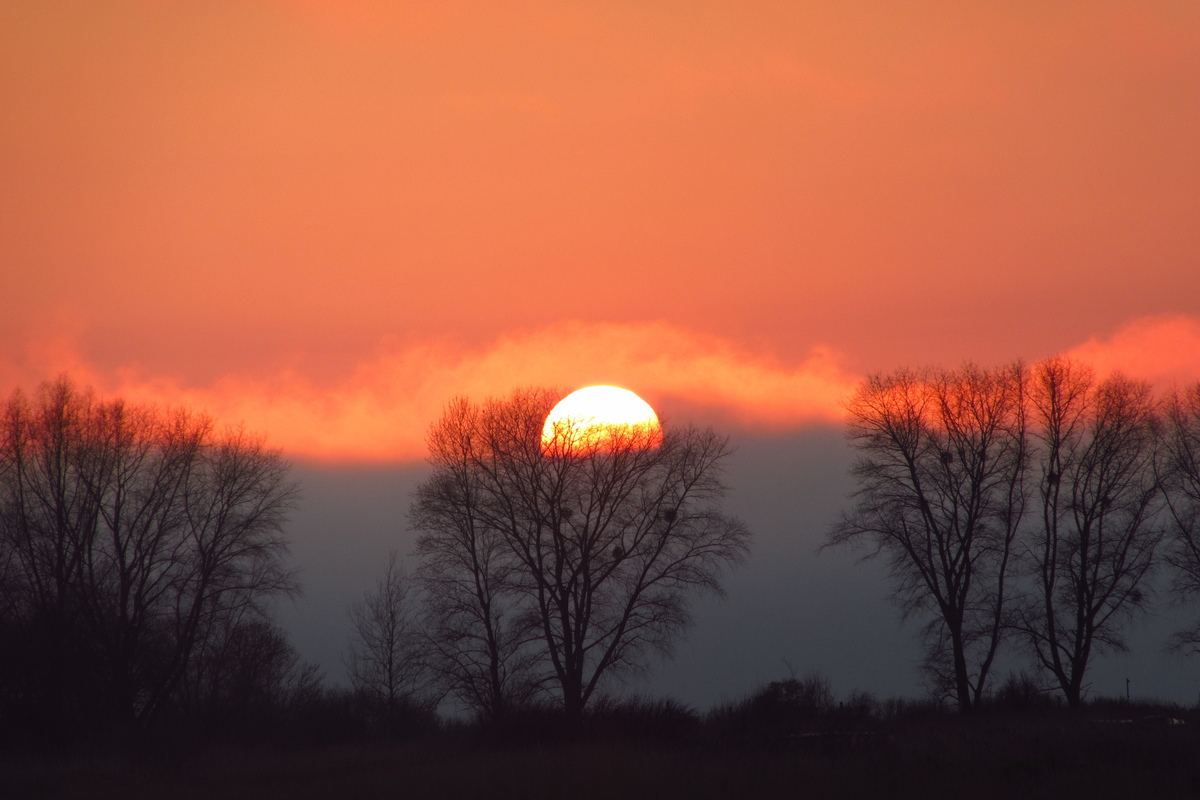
{"type": "Point", "coordinates": [381, 413]}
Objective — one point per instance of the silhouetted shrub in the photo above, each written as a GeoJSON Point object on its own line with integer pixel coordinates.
{"type": "Point", "coordinates": [1137, 708]}
{"type": "Point", "coordinates": [773, 714]}
{"type": "Point", "coordinates": [661, 719]}
{"type": "Point", "coordinates": [534, 722]}
{"type": "Point", "coordinates": [403, 718]}
{"type": "Point", "coordinates": [331, 715]}
{"type": "Point", "coordinates": [895, 709]}
{"type": "Point", "coordinates": [1021, 692]}
{"type": "Point", "coordinates": [859, 706]}
{"type": "Point", "coordinates": [633, 719]}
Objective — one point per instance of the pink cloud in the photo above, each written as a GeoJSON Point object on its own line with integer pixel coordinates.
{"type": "Point", "coordinates": [1164, 350]}
{"type": "Point", "coordinates": [383, 410]}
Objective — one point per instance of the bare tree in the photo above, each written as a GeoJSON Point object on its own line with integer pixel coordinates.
{"type": "Point", "coordinates": [480, 631]}
{"type": "Point", "coordinates": [46, 511]}
{"type": "Point", "coordinates": [133, 535]}
{"type": "Point", "coordinates": [385, 658]}
{"type": "Point", "coordinates": [1093, 548]}
{"type": "Point", "coordinates": [1181, 476]}
{"type": "Point", "coordinates": [245, 679]}
{"type": "Point", "coordinates": [941, 494]}
{"type": "Point", "coordinates": [599, 547]}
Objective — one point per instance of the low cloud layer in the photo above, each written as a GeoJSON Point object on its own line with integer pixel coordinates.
{"type": "Point", "coordinates": [381, 412]}
{"type": "Point", "coordinates": [1164, 350]}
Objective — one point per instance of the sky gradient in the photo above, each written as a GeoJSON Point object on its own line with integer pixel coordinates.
{"type": "Point", "coordinates": [314, 212]}
{"type": "Point", "coordinates": [326, 219]}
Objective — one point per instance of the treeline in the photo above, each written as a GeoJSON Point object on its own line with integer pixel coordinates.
{"type": "Point", "coordinates": [1026, 508]}
{"type": "Point", "coordinates": [139, 549]}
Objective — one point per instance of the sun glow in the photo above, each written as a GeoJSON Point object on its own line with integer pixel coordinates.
{"type": "Point", "coordinates": [600, 419]}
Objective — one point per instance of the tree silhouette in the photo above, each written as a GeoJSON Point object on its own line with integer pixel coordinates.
{"type": "Point", "coordinates": [386, 658]}
{"type": "Point", "coordinates": [941, 469]}
{"type": "Point", "coordinates": [1092, 547]}
{"type": "Point", "coordinates": [596, 549]}
{"type": "Point", "coordinates": [1181, 476]}
{"type": "Point", "coordinates": [238, 683]}
{"type": "Point", "coordinates": [131, 538]}
{"type": "Point", "coordinates": [481, 635]}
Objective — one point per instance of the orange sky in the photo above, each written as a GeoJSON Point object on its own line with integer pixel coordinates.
{"type": "Point", "coordinates": [327, 218]}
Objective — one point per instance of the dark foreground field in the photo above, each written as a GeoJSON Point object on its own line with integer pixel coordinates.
{"type": "Point", "coordinates": [1051, 755]}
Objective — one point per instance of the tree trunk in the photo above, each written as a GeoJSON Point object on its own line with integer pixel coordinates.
{"type": "Point", "coordinates": [962, 680]}
{"type": "Point", "coordinates": [573, 704]}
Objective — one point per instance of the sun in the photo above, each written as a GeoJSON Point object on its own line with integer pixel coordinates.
{"type": "Point", "coordinates": [600, 419]}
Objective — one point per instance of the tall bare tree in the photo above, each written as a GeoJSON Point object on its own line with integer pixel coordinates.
{"type": "Point", "coordinates": [386, 656]}
{"type": "Point", "coordinates": [132, 536]}
{"type": "Point", "coordinates": [941, 494]}
{"type": "Point", "coordinates": [601, 547]}
{"type": "Point", "coordinates": [1181, 475]}
{"type": "Point", "coordinates": [1093, 547]}
{"type": "Point", "coordinates": [481, 634]}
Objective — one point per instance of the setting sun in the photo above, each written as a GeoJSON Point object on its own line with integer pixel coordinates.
{"type": "Point", "coordinates": [596, 417]}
